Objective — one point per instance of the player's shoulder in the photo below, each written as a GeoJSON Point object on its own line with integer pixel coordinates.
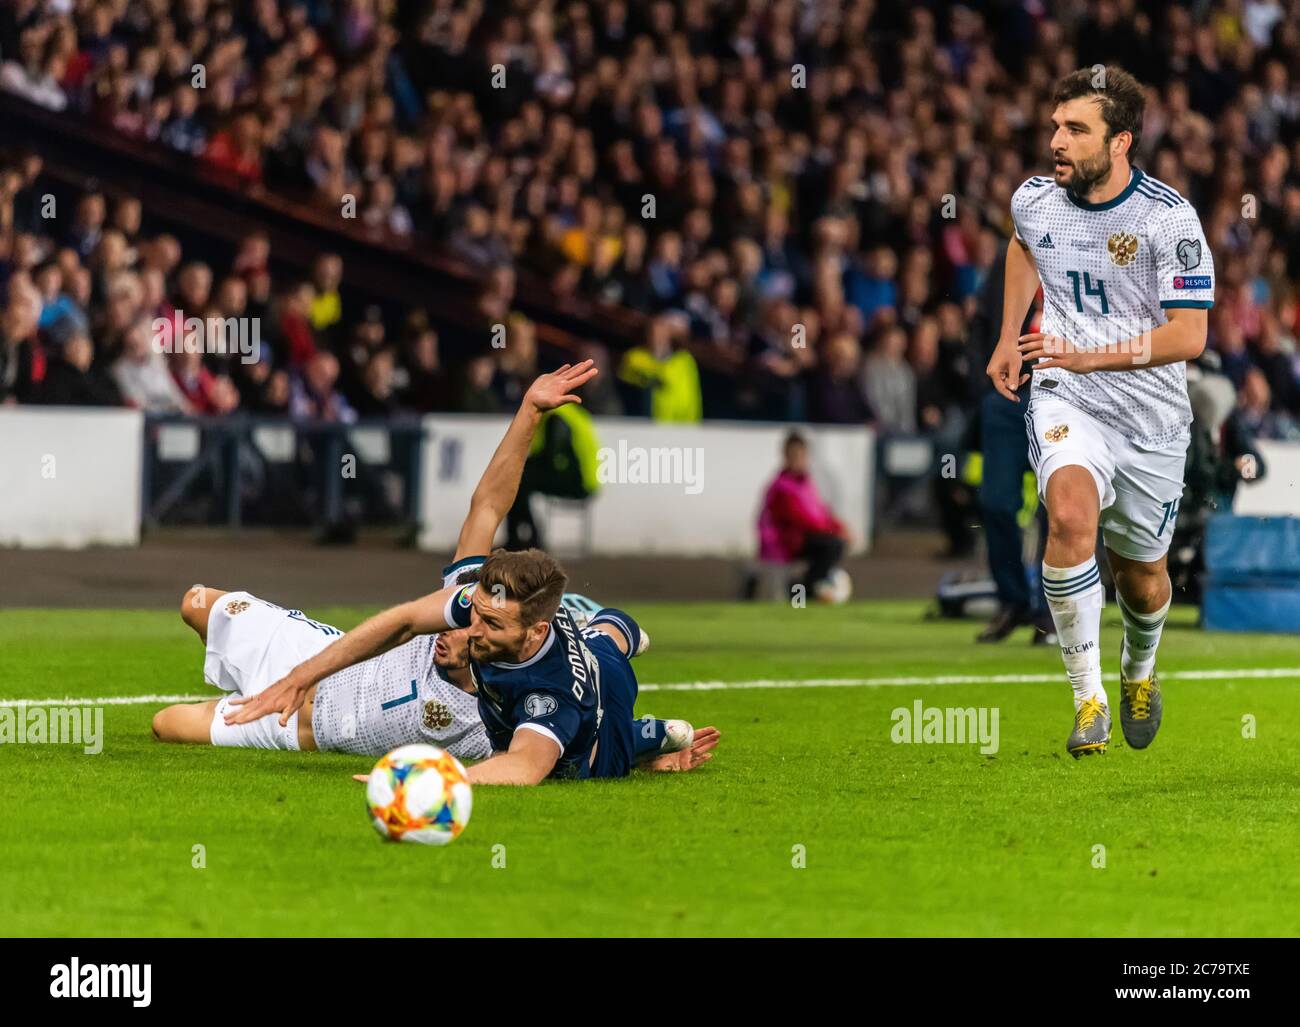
{"type": "Point", "coordinates": [1162, 195]}
{"type": "Point", "coordinates": [1167, 210]}
{"type": "Point", "coordinates": [1035, 203]}
{"type": "Point", "coordinates": [564, 658]}
{"type": "Point", "coordinates": [462, 571]}
{"type": "Point", "coordinates": [1034, 190]}
{"type": "Point", "coordinates": [457, 611]}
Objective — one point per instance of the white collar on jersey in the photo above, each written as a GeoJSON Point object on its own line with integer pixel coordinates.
{"type": "Point", "coordinates": [545, 647]}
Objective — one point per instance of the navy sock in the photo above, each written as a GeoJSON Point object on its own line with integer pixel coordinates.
{"type": "Point", "coordinates": [648, 735]}
{"type": "Point", "coordinates": [626, 626]}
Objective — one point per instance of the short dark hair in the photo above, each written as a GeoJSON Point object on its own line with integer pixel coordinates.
{"type": "Point", "coordinates": [794, 439]}
{"type": "Point", "coordinates": [531, 578]}
{"type": "Point", "coordinates": [1119, 95]}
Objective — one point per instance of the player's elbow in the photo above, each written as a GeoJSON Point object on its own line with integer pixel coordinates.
{"type": "Point", "coordinates": [533, 756]}
{"type": "Point", "coordinates": [538, 767]}
{"type": "Point", "coordinates": [486, 496]}
{"type": "Point", "coordinates": [534, 775]}
{"type": "Point", "coordinates": [483, 505]}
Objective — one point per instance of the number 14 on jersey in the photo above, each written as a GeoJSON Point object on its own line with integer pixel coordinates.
{"type": "Point", "coordinates": [1090, 287]}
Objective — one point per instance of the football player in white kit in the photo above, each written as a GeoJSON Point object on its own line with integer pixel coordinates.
{"type": "Point", "coordinates": [1127, 281]}
{"type": "Point", "coordinates": [420, 691]}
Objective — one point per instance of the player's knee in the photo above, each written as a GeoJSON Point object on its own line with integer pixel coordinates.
{"type": "Point", "coordinates": [196, 604]}
{"type": "Point", "coordinates": [184, 722]}
{"type": "Point", "coordinates": [188, 598]}
{"type": "Point", "coordinates": [1073, 526]}
{"type": "Point", "coordinates": [1141, 597]}
{"type": "Point", "coordinates": [1141, 587]}
{"type": "Point", "coordinates": [164, 723]}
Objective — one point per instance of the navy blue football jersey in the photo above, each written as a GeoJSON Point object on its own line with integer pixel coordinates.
{"type": "Point", "coordinates": [556, 692]}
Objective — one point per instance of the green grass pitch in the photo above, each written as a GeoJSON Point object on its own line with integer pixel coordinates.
{"type": "Point", "coordinates": [1200, 832]}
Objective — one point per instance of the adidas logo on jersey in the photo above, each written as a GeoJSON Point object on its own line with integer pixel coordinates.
{"type": "Point", "coordinates": [1045, 243]}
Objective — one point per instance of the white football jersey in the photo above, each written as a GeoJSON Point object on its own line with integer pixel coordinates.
{"type": "Point", "coordinates": [1110, 271]}
{"type": "Point", "coordinates": [399, 698]}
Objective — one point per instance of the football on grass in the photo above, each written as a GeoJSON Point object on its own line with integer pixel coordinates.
{"type": "Point", "coordinates": [835, 588]}
{"type": "Point", "coordinates": [419, 793]}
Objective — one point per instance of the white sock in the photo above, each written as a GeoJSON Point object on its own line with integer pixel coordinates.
{"type": "Point", "coordinates": [1141, 639]}
{"type": "Point", "coordinates": [1075, 597]}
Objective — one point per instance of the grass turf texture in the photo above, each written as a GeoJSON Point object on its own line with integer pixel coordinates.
{"type": "Point", "coordinates": [1200, 831]}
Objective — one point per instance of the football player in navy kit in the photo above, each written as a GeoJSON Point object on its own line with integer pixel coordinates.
{"type": "Point", "coordinates": [540, 677]}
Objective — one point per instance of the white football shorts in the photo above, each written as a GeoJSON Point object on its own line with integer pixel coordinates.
{"type": "Point", "coordinates": [251, 645]}
{"type": "Point", "coordinates": [1139, 489]}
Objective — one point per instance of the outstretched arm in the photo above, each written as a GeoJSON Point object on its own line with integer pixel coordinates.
{"type": "Point", "coordinates": [496, 490]}
{"type": "Point", "coordinates": [529, 759]}
{"type": "Point", "coordinates": [1181, 338]}
{"type": "Point", "coordinates": [377, 635]}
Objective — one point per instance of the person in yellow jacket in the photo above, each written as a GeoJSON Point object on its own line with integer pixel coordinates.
{"type": "Point", "coordinates": [562, 462]}
{"type": "Point", "coordinates": [668, 376]}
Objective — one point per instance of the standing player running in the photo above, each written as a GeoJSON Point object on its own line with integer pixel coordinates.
{"type": "Point", "coordinates": [1127, 279]}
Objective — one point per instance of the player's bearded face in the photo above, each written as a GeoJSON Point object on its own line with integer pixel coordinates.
{"type": "Point", "coordinates": [451, 650]}
{"type": "Point", "coordinates": [1080, 145]}
{"type": "Point", "coordinates": [495, 633]}
{"type": "Point", "coordinates": [1082, 174]}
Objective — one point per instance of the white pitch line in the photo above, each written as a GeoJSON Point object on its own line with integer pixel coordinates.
{"type": "Point", "coordinates": [1280, 673]}
{"type": "Point", "coordinates": [959, 679]}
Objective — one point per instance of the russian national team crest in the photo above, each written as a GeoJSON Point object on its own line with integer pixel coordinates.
{"type": "Point", "coordinates": [238, 606]}
{"type": "Point", "coordinates": [1123, 248]}
{"type": "Point", "coordinates": [437, 715]}
{"type": "Point", "coordinates": [1057, 433]}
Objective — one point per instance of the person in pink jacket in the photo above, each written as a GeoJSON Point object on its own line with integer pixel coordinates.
{"type": "Point", "coordinates": [796, 525]}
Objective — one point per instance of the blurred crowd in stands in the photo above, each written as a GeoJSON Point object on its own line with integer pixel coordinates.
{"type": "Point", "coordinates": [803, 197]}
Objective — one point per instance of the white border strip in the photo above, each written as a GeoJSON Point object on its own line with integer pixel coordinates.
{"type": "Point", "coordinates": [115, 700]}
{"type": "Point", "coordinates": [1252, 673]}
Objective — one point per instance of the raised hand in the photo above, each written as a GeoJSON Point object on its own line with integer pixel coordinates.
{"type": "Point", "coordinates": [558, 388]}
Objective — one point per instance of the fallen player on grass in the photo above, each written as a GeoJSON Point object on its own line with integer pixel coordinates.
{"type": "Point", "coordinates": [419, 691]}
